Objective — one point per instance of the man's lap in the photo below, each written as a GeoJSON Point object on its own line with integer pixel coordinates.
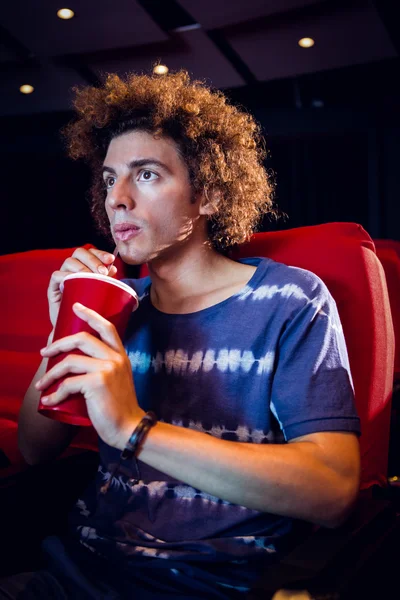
{"type": "Point", "coordinates": [44, 585]}
{"type": "Point", "coordinates": [65, 578]}
{"type": "Point", "coordinates": [32, 586]}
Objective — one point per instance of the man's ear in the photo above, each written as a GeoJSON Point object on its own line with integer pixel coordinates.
{"type": "Point", "coordinates": [209, 202]}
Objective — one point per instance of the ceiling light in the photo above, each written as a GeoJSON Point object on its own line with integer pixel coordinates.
{"type": "Point", "coordinates": [317, 103]}
{"type": "Point", "coordinates": [160, 70]}
{"type": "Point", "coordinates": [26, 89]}
{"type": "Point", "coordinates": [65, 13]}
{"type": "Point", "coordinates": [184, 28]}
{"type": "Point", "coordinates": [306, 42]}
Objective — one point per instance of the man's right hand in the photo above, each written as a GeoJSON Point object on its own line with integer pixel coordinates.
{"type": "Point", "coordinates": [91, 261]}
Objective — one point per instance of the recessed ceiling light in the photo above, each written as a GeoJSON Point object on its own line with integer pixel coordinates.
{"type": "Point", "coordinates": [26, 89]}
{"type": "Point", "coordinates": [160, 70]}
{"type": "Point", "coordinates": [184, 28]}
{"type": "Point", "coordinates": [65, 13]}
{"type": "Point", "coordinates": [306, 42]}
{"type": "Point", "coordinates": [317, 103]}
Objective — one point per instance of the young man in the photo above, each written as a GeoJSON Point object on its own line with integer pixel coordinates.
{"type": "Point", "coordinates": [243, 363]}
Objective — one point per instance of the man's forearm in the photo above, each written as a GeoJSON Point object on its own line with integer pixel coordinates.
{"type": "Point", "coordinates": [40, 439]}
{"type": "Point", "coordinates": [289, 479]}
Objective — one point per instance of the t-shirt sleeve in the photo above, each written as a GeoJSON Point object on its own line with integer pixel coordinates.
{"type": "Point", "coordinates": [312, 389]}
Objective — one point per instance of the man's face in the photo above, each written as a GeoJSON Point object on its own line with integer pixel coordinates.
{"type": "Point", "coordinates": [148, 189]}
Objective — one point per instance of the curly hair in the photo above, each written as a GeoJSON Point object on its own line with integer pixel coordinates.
{"type": "Point", "coordinates": [221, 145]}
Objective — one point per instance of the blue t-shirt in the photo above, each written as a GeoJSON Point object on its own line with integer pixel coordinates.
{"type": "Point", "coordinates": [266, 365]}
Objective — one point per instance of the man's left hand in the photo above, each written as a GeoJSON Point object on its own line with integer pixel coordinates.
{"type": "Point", "coordinates": [103, 375]}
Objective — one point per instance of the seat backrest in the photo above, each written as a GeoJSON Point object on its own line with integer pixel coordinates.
{"type": "Point", "coordinates": [391, 265]}
{"type": "Point", "coordinates": [343, 256]}
{"type": "Point", "coordinates": [390, 244]}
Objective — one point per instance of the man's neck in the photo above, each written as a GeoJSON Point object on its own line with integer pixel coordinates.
{"type": "Point", "coordinates": [195, 279]}
{"type": "Point", "coordinates": [182, 282]}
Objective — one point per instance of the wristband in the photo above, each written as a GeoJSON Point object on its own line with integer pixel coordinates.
{"type": "Point", "coordinates": [138, 435]}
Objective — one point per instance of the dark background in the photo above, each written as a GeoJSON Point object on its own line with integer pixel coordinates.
{"type": "Point", "coordinates": [332, 133]}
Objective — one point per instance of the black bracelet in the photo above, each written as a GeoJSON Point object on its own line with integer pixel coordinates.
{"type": "Point", "coordinates": [131, 448]}
{"type": "Point", "coordinates": [138, 435]}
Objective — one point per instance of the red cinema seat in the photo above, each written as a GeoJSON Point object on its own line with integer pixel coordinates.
{"type": "Point", "coordinates": [343, 256]}
{"type": "Point", "coordinates": [391, 265]}
{"type": "Point", "coordinates": [389, 244]}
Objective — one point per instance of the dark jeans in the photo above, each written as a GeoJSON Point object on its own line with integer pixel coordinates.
{"type": "Point", "coordinates": [65, 578]}
{"type": "Point", "coordinates": [44, 585]}
{"type": "Point", "coordinates": [41, 584]}
{"type": "Point", "coordinates": [25, 519]}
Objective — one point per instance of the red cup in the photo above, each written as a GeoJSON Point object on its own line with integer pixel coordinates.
{"type": "Point", "coordinates": [113, 300]}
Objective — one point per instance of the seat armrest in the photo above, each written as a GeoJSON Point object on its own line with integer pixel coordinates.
{"type": "Point", "coordinates": [327, 562]}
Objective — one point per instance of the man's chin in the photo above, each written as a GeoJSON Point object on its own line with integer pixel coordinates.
{"type": "Point", "coordinates": [134, 262]}
{"type": "Point", "coordinates": [133, 258]}
{"type": "Point", "coordinates": [131, 254]}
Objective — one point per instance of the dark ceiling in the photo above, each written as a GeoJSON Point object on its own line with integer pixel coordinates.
{"type": "Point", "coordinates": [229, 43]}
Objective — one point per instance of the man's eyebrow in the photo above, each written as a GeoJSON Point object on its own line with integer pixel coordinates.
{"type": "Point", "coordinates": [141, 162]}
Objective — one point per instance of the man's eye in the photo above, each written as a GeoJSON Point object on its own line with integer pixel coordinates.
{"type": "Point", "coordinates": [147, 176]}
{"type": "Point", "coordinates": [109, 182]}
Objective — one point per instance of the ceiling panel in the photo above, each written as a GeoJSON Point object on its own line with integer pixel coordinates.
{"type": "Point", "coordinates": [213, 14]}
{"type": "Point", "coordinates": [258, 37]}
{"type": "Point", "coordinates": [344, 38]}
{"type": "Point", "coordinates": [195, 52]}
{"type": "Point", "coordinates": [98, 25]}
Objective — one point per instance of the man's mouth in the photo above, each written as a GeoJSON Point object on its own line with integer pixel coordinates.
{"type": "Point", "coordinates": [126, 231]}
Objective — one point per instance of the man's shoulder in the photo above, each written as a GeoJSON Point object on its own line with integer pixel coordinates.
{"type": "Point", "coordinates": [290, 280]}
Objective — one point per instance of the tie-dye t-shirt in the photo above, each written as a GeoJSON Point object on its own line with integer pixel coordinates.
{"type": "Point", "coordinates": [264, 366]}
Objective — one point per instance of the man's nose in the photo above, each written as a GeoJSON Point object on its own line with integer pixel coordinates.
{"type": "Point", "coordinates": [121, 195]}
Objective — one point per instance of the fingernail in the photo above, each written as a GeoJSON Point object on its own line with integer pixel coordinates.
{"type": "Point", "coordinates": [103, 270]}
{"type": "Point", "coordinates": [44, 399]}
